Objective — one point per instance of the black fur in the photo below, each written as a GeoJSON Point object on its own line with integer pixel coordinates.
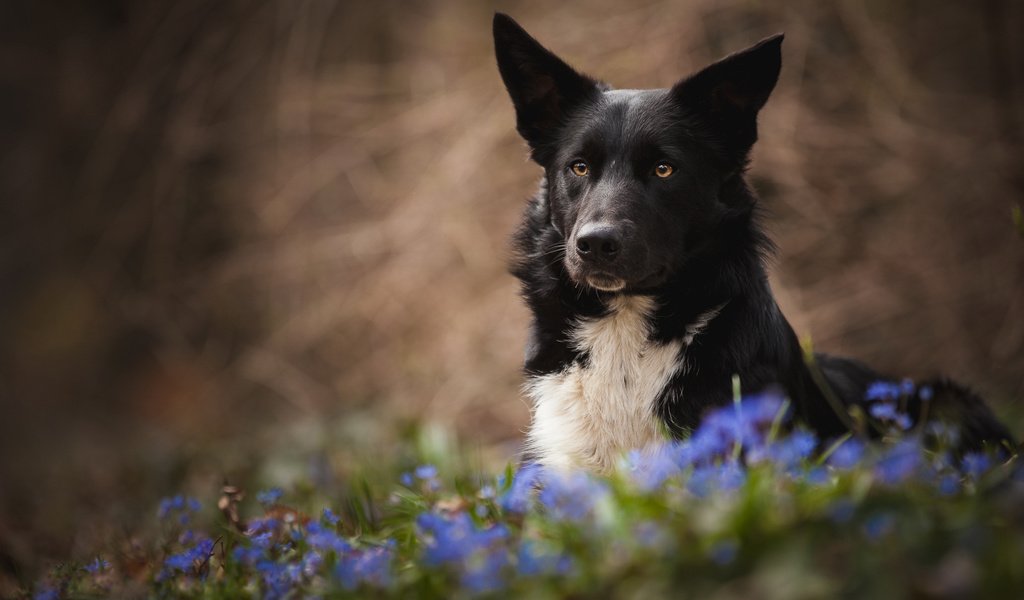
{"type": "Point", "coordinates": [604, 220]}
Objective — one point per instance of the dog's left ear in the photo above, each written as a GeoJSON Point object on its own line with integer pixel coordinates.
{"type": "Point", "coordinates": [730, 92]}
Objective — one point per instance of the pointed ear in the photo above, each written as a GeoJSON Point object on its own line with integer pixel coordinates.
{"type": "Point", "coordinates": [543, 88]}
{"type": "Point", "coordinates": [731, 91]}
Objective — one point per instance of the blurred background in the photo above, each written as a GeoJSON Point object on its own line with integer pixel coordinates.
{"type": "Point", "coordinates": [233, 229]}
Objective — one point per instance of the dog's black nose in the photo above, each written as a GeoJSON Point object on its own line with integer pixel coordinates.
{"type": "Point", "coordinates": [597, 242]}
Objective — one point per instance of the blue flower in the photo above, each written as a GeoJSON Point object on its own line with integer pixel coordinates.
{"type": "Point", "coordinates": [428, 475]}
{"type": "Point", "coordinates": [445, 539]}
{"type": "Point", "coordinates": [325, 540]}
{"type": "Point", "coordinates": [263, 540]}
{"type": "Point", "coordinates": [882, 390]}
{"type": "Point", "coordinates": [571, 496]}
{"type": "Point", "coordinates": [712, 441]}
{"type": "Point", "coordinates": [189, 537]}
{"type": "Point", "coordinates": [330, 518]}
{"type": "Point", "coordinates": [311, 563]}
{"type": "Point", "coordinates": [180, 506]}
{"type": "Point", "coordinates": [925, 393]}
{"type": "Point", "coordinates": [179, 562]}
{"type": "Point", "coordinates": [269, 497]}
{"type": "Point", "coordinates": [948, 485]}
{"type": "Point", "coordinates": [426, 472]}
{"type": "Point", "coordinates": [97, 565]}
{"type": "Point", "coordinates": [189, 561]}
{"type": "Point", "coordinates": [453, 539]}
{"type": "Point", "coordinates": [709, 478]}
{"type": "Point", "coordinates": [262, 525]}
{"type": "Point", "coordinates": [370, 567]}
{"type": "Point", "coordinates": [883, 411]}
{"type": "Point", "coordinates": [248, 555]}
{"type": "Point", "coordinates": [702, 480]}
{"type": "Point", "coordinates": [900, 462]}
{"type": "Point", "coordinates": [760, 410]}
{"type": "Point", "coordinates": [652, 468]}
{"type": "Point", "coordinates": [816, 476]}
{"type": "Point", "coordinates": [269, 569]}
{"type": "Point", "coordinates": [847, 455]}
{"type": "Point", "coordinates": [786, 454]}
{"type": "Point", "coordinates": [731, 476]}
{"type": "Point", "coordinates": [745, 424]}
{"type": "Point", "coordinates": [166, 506]}
{"type": "Point", "coordinates": [278, 579]}
{"type": "Point", "coordinates": [47, 592]}
{"type": "Point", "coordinates": [886, 412]}
{"type": "Point", "coordinates": [517, 498]}
{"type": "Point", "coordinates": [975, 464]}
{"type": "Point", "coordinates": [723, 552]}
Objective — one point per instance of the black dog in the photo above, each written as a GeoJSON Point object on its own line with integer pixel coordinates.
{"type": "Point", "coordinates": [642, 259]}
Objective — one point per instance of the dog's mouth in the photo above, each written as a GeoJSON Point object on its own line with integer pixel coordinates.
{"type": "Point", "coordinates": [605, 283]}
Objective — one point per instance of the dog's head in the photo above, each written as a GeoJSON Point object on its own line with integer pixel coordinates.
{"type": "Point", "coordinates": [634, 177]}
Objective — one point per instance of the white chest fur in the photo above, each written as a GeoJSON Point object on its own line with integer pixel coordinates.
{"type": "Point", "coordinates": [587, 416]}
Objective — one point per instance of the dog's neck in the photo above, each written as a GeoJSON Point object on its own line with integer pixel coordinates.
{"type": "Point", "coordinates": [605, 402]}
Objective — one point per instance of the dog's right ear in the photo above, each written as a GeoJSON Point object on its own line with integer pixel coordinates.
{"type": "Point", "coordinates": [543, 88]}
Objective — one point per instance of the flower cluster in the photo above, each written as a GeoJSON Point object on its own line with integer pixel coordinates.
{"type": "Point", "coordinates": [747, 484]}
{"type": "Point", "coordinates": [269, 497]}
{"type": "Point", "coordinates": [97, 566]}
{"type": "Point", "coordinates": [282, 554]}
{"type": "Point", "coordinates": [424, 475]}
{"type": "Point", "coordinates": [483, 556]}
{"type": "Point", "coordinates": [192, 560]}
{"type": "Point", "coordinates": [178, 509]}
{"type": "Point", "coordinates": [887, 402]}
{"type": "Point", "coordinates": [730, 437]}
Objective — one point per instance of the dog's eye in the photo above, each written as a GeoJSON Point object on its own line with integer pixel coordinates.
{"type": "Point", "coordinates": [580, 168]}
{"type": "Point", "coordinates": [664, 170]}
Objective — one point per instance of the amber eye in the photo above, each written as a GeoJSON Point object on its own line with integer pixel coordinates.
{"type": "Point", "coordinates": [663, 170]}
{"type": "Point", "coordinates": [580, 168]}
